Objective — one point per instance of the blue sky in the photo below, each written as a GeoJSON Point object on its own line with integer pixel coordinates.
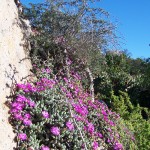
{"type": "Point", "coordinates": [133, 23]}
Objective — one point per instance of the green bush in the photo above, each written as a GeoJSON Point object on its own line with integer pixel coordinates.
{"type": "Point", "coordinates": [133, 119]}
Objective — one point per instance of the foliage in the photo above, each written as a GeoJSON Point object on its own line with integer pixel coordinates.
{"type": "Point", "coordinates": [141, 90]}
{"type": "Point", "coordinates": [80, 28]}
{"type": "Point", "coordinates": [133, 118]}
{"type": "Point", "coordinates": [55, 112]}
{"type": "Point", "coordinates": [121, 72]}
{"type": "Point", "coordinates": [115, 76]}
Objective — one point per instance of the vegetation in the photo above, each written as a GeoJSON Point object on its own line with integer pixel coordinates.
{"type": "Point", "coordinates": [82, 97]}
{"type": "Point", "coordinates": [55, 112]}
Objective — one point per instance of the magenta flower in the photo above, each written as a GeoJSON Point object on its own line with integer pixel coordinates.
{"type": "Point", "coordinates": [47, 70]}
{"type": "Point", "coordinates": [104, 113]}
{"type": "Point", "coordinates": [100, 135]}
{"type": "Point", "coordinates": [29, 88]}
{"type": "Point", "coordinates": [83, 146]}
{"type": "Point", "coordinates": [106, 118]}
{"type": "Point", "coordinates": [109, 129]}
{"type": "Point", "coordinates": [55, 130]}
{"type": "Point", "coordinates": [78, 118]}
{"type": "Point", "coordinates": [45, 148]}
{"type": "Point", "coordinates": [82, 110]}
{"type": "Point", "coordinates": [14, 111]}
{"type": "Point", "coordinates": [90, 128]}
{"type": "Point", "coordinates": [18, 116]}
{"type": "Point", "coordinates": [27, 122]}
{"type": "Point", "coordinates": [111, 123]}
{"type": "Point", "coordinates": [66, 80]}
{"type": "Point", "coordinates": [108, 140]}
{"type": "Point", "coordinates": [70, 85]}
{"type": "Point", "coordinates": [31, 103]}
{"type": "Point", "coordinates": [45, 114]}
{"type": "Point", "coordinates": [70, 125]}
{"type": "Point", "coordinates": [26, 87]}
{"type": "Point", "coordinates": [90, 103]}
{"type": "Point", "coordinates": [21, 86]}
{"type": "Point", "coordinates": [22, 136]}
{"type": "Point", "coordinates": [69, 95]}
{"type": "Point", "coordinates": [95, 145]}
{"type": "Point", "coordinates": [118, 146]}
{"type": "Point", "coordinates": [21, 98]}
{"type": "Point", "coordinates": [27, 116]}
{"type": "Point", "coordinates": [17, 105]}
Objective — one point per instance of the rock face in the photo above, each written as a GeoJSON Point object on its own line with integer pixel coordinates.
{"type": "Point", "coordinates": [14, 65]}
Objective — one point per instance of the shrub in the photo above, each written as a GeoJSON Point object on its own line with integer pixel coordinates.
{"type": "Point", "coordinates": [133, 119]}
{"type": "Point", "coordinates": [54, 112]}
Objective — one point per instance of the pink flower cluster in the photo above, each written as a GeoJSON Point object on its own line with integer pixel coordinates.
{"type": "Point", "coordinates": [27, 87]}
{"type": "Point", "coordinates": [17, 107]}
{"type": "Point", "coordinates": [77, 97]}
{"type": "Point", "coordinates": [118, 146]}
{"type": "Point", "coordinates": [46, 70]}
{"type": "Point", "coordinates": [45, 83]}
{"type": "Point", "coordinates": [82, 108]}
{"type": "Point", "coordinates": [95, 145]}
{"type": "Point", "coordinates": [70, 125]}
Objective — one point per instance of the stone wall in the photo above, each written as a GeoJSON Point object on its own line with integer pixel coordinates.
{"type": "Point", "coordinates": [14, 63]}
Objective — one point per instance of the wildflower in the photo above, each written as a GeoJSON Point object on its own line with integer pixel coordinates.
{"type": "Point", "coordinates": [55, 130]}
{"type": "Point", "coordinates": [108, 140]}
{"type": "Point", "coordinates": [90, 128]}
{"type": "Point", "coordinates": [118, 146]}
{"type": "Point", "coordinates": [21, 86]}
{"type": "Point", "coordinates": [69, 95]}
{"type": "Point", "coordinates": [17, 105]}
{"type": "Point", "coordinates": [83, 146]}
{"type": "Point", "coordinates": [29, 88]}
{"type": "Point", "coordinates": [109, 129]}
{"type": "Point", "coordinates": [47, 70]}
{"type": "Point", "coordinates": [70, 85]}
{"type": "Point", "coordinates": [111, 123]}
{"type": "Point", "coordinates": [95, 145]}
{"type": "Point", "coordinates": [66, 80]}
{"type": "Point", "coordinates": [45, 148]}
{"type": "Point", "coordinates": [45, 114]}
{"type": "Point", "coordinates": [90, 103]}
{"type": "Point", "coordinates": [78, 118]}
{"type": "Point", "coordinates": [31, 103]}
{"type": "Point", "coordinates": [106, 118]}
{"type": "Point", "coordinates": [22, 136]}
{"type": "Point", "coordinates": [18, 116]}
{"type": "Point", "coordinates": [100, 135]}
{"type": "Point", "coordinates": [70, 125]}
{"type": "Point", "coordinates": [104, 113]}
{"type": "Point", "coordinates": [27, 122]}
{"type": "Point", "coordinates": [21, 98]}
{"type": "Point", "coordinates": [81, 109]}
{"type": "Point", "coordinates": [27, 116]}
{"type": "Point", "coordinates": [14, 110]}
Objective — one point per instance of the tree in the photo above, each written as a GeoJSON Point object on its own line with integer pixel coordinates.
{"type": "Point", "coordinates": [75, 28]}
